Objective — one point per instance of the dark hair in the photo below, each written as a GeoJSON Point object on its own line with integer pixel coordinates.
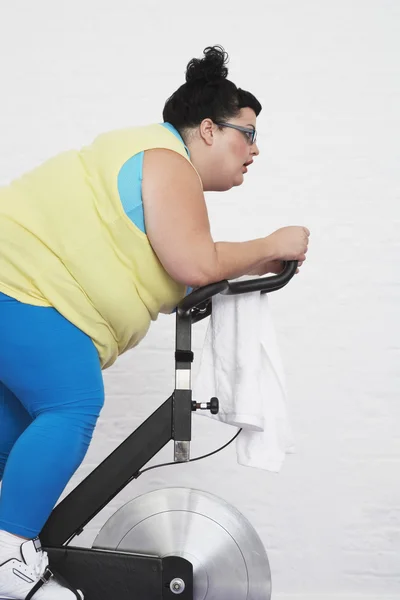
{"type": "Point", "coordinates": [207, 93]}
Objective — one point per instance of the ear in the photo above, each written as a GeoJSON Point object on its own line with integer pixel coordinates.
{"type": "Point", "coordinates": [206, 130]}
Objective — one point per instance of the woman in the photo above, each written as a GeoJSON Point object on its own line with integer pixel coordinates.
{"type": "Point", "coordinates": [94, 245]}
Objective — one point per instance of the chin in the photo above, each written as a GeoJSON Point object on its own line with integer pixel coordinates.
{"type": "Point", "coordinates": [221, 187]}
{"type": "Point", "coordinates": [238, 181]}
{"type": "Point", "coordinates": [224, 186]}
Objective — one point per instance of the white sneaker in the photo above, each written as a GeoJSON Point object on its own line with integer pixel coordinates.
{"type": "Point", "coordinates": [31, 577]}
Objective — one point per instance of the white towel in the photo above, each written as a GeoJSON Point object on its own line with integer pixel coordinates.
{"type": "Point", "coordinates": [241, 365]}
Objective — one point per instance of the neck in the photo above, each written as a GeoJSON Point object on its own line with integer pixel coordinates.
{"type": "Point", "coordinates": [202, 166]}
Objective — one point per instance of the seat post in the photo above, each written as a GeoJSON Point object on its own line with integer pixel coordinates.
{"type": "Point", "coordinates": [182, 396]}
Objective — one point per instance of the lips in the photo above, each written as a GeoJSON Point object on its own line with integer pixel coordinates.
{"type": "Point", "coordinates": [245, 165]}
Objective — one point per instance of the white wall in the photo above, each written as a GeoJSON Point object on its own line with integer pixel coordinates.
{"type": "Point", "coordinates": [327, 73]}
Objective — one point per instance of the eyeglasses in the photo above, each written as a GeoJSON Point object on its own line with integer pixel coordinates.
{"type": "Point", "coordinates": [251, 134]}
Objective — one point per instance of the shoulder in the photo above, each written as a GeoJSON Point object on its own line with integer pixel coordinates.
{"type": "Point", "coordinates": [169, 165]}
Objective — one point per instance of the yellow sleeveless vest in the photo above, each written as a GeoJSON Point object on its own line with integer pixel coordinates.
{"type": "Point", "coordinates": [66, 242]}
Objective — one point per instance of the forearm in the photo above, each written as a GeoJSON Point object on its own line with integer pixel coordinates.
{"type": "Point", "coordinates": [234, 259]}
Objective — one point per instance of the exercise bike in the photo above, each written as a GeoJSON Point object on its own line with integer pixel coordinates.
{"type": "Point", "coordinates": [169, 543]}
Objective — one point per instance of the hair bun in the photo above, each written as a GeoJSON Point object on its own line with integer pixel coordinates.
{"type": "Point", "coordinates": [210, 68]}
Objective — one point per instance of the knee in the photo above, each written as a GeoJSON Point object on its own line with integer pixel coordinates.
{"type": "Point", "coordinates": [84, 411]}
{"type": "Point", "coordinates": [77, 415]}
{"type": "Point", "coordinates": [69, 430]}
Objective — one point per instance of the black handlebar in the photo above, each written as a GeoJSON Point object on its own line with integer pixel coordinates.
{"type": "Point", "coordinates": [261, 284]}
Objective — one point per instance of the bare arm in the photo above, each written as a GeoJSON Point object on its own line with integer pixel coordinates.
{"type": "Point", "coordinates": [178, 227]}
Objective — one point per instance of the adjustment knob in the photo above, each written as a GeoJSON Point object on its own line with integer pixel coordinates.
{"type": "Point", "coordinates": [213, 406]}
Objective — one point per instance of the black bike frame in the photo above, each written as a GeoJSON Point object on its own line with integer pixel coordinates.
{"type": "Point", "coordinates": [171, 421]}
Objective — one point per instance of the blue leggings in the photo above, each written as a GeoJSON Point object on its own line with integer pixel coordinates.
{"type": "Point", "coordinates": [51, 394]}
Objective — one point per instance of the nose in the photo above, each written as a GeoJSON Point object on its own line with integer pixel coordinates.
{"type": "Point", "coordinates": [255, 150]}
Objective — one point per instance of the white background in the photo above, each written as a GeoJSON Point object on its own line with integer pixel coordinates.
{"type": "Point", "coordinates": [328, 76]}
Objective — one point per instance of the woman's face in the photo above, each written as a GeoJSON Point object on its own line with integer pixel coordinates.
{"type": "Point", "coordinates": [233, 150]}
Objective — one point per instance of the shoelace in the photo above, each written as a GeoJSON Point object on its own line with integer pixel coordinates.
{"type": "Point", "coordinates": [42, 562]}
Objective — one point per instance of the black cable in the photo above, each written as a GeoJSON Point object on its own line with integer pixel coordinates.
{"type": "Point", "coordinates": [190, 460]}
